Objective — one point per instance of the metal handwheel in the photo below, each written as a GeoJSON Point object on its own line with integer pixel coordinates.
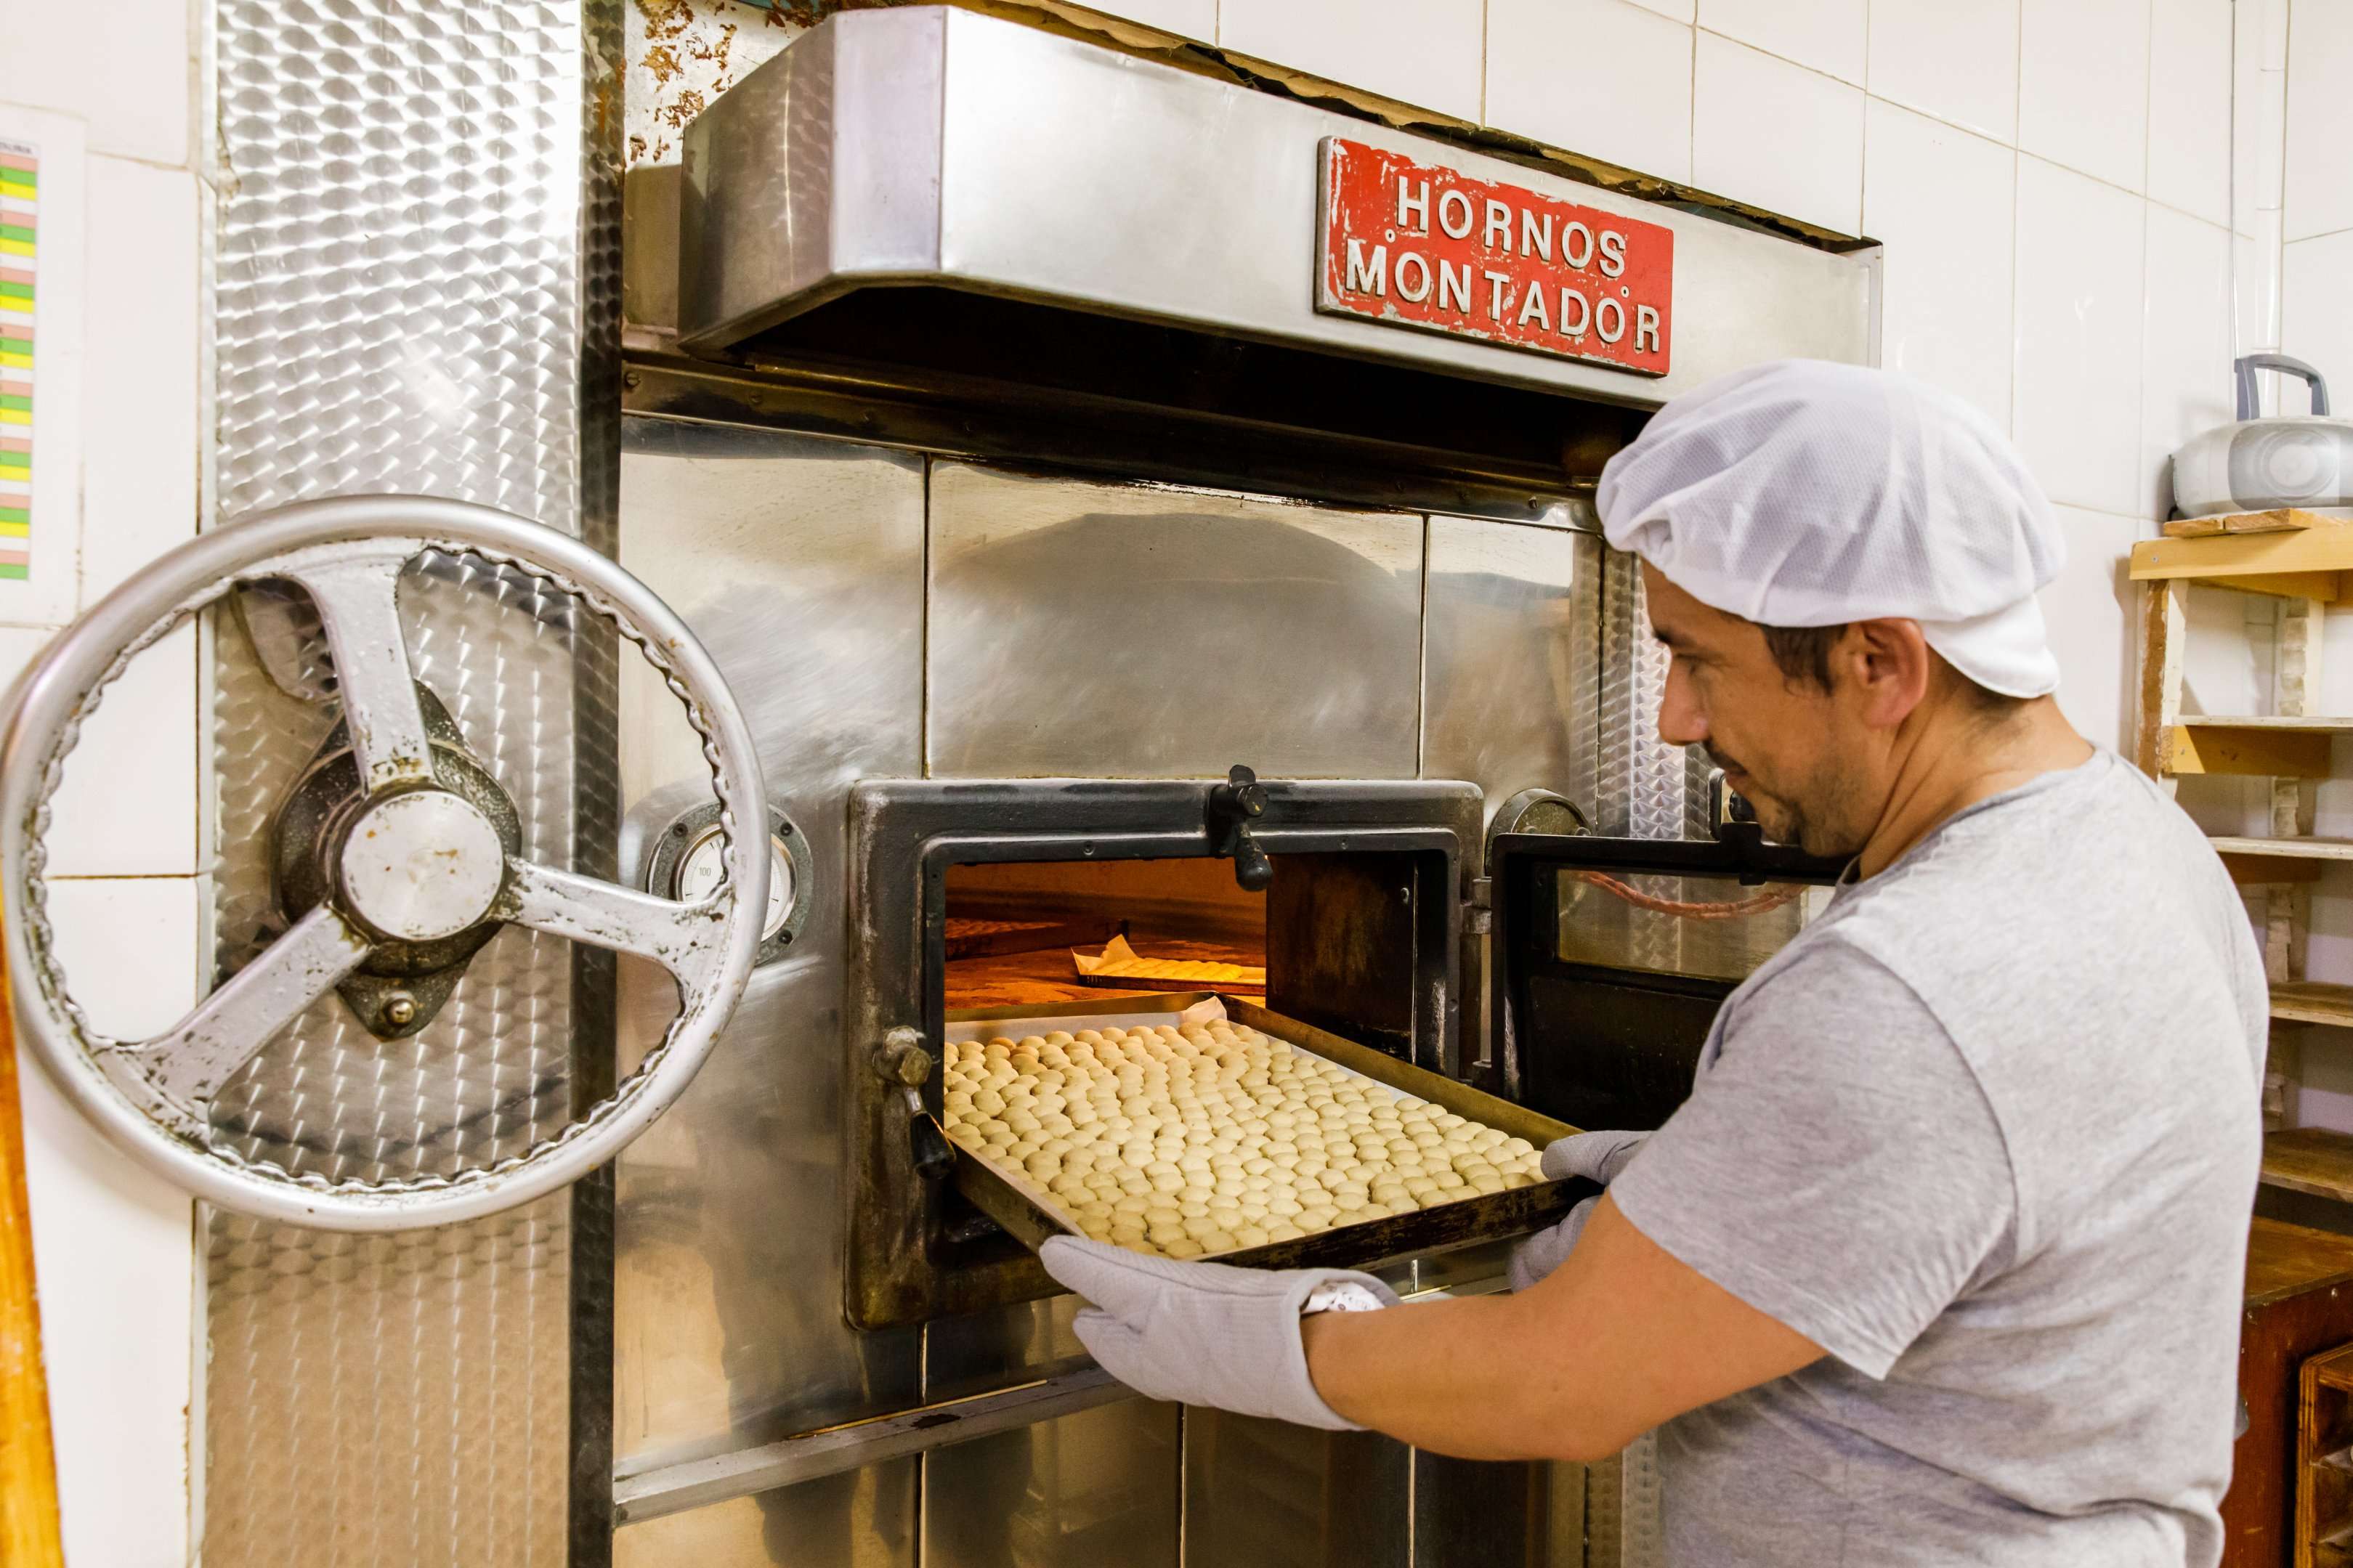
{"type": "Point", "coordinates": [396, 845]}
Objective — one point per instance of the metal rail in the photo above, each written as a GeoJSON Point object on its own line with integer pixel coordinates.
{"type": "Point", "coordinates": [1069, 1387]}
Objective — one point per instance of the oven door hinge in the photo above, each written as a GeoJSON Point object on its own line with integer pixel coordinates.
{"type": "Point", "coordinates": [1479, 909]}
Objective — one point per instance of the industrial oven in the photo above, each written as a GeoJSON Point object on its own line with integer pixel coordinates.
{"type": "Point", "coordinates": [1059, 497]}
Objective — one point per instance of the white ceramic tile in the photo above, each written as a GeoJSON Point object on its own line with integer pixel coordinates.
{"type": "Point", "coordinates": [1423, 52]}
{"type": "Point", "coordinates": [1777, 135]}
{"type": "Point", "coordinates": [1187, 18]}
{"type": "Point", "coordinates": [1957, 62]}
{"type": "Point", "coordinates": [2186, 385]}
{"type": "Point", "coordinates": [1635, 112]}
{"type": "Point", "coordinates": [1824, 34]}
{"type": "Point", "coordinates": [2269, 191]}
{"type": "Point", "coordinates": [2319, 174]}
{"type": "Point", "coordinates": [125, 69]}
{"type": "Point", "coordinates": [139, 371]}
{"type": "Point", "coordinates": [2075, 382]}
{"type": "Point", "coordinates": [1941, 200]}
{"type": "Point", "coordinates": [2088, 609]}
{"type": "Point", "coordinates": [2083, 89]}
{"type": "Point", "coordinates": [2254, 285]}
{"type": "Point", "coordinates": [2189, 106]}
{"type": "Point", "coordinates": [127, 805]}
{"type": "Point", "coordinates": [2316, 313]}
{"type": "Point", "coordinates": [113, 1245]}
{"type": "Point", "coordinates": [1681, 10]}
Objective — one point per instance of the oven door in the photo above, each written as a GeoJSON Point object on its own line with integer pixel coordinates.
{"type": "Point", "coordinates": [1611, 956]}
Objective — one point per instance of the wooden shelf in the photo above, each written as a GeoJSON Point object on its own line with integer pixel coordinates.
{"type": "Point", "coordinates": [2280, 521]}
{"type": "Point", "coordinates": [2310, 1160]}
{"type": "Point", "coordinates": [2313, 1002]}
{"type": "Point", "coordinates": [2264, 747]}
{"type": "Point", "coordinates": [2260, 860]}
{"type": "Point", "coordinates": [2296, 563]}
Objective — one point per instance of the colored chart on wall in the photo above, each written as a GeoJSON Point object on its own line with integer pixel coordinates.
{"type": "Point", "coordinates": [20, 190]}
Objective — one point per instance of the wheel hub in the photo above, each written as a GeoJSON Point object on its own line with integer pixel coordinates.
{"type": "Point", "coordinates": [421, 866]}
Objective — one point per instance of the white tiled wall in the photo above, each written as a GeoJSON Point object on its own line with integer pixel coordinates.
{"type": "Point", "coordinates": [114, 1246]}
{"type": "Point", "coordinates": [2068, 244]}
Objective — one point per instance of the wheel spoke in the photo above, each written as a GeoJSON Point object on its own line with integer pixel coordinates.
{"type": "Point", "coordinates": [191, 1061]}
{"type": "Point", "coordinates": [359, 604]}
{"type": "Point", "coordinates": [681, 938]}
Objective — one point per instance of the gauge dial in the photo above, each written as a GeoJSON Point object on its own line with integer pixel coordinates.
{"type": "Point", "coordinates": [699, 872]}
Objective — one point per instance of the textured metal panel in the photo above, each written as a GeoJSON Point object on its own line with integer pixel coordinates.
{"type": "Point", "coordinates": [865, 1519]}
{"type": "Point", "coordinates": [1276, 1496]}
{"type": "Point", "coordinates": [1644, 786]}
{"type": "Point", "coordinates": [1510, 689]}
{"type": "Point", "coordinates": [800, 564]}
{"type": "Point", "coordinates": [1100, 1487]}
{"type": "Point", "coordinates": [406, 298]}
{"type": "Point", "coordinates": [1052, 169]}
{"type": "Point", "coordinates": [1120, 631]}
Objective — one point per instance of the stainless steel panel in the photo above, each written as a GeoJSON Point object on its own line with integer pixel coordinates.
{"type": "Point", "coordinates": [1272, 1495]}
{"type": "Point", "coordinates": [800, 564]}
{"type": "Point", "coordinates": [947, 146]}
{"type": "Point", "coordinates": [1512, 654]}
{"type": "Point", "coordinates": [1084, 1491]}
{"type": "Point", "coordinates": [1128, 631]}
{"type": "Point", "coordinates": [1644, 786]}
{"type": "Point", "coordinates": [422, 321]}
{"type": "Point", "coordinates": [864, 1519]}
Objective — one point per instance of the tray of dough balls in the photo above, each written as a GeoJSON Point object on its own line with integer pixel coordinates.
{"type": "Point", "coordinates": [1196, 1125]}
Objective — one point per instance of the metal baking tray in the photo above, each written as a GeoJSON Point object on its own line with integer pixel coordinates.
{"type": "Point", "coordinates": [1026, 1212]}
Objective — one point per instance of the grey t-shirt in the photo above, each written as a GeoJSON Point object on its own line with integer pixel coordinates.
{"type": "Point", "coordinates": [1987, 1132]}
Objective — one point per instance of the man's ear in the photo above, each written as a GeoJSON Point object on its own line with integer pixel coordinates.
{"type": "Point", "coordinates": [1887, 665]}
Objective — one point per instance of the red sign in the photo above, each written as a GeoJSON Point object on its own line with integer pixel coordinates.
{"type": "Point", "coordinates": [1414, 245]}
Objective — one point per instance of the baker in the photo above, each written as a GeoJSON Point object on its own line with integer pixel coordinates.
{"type": "Point", "coordinates": [1940, 1263]}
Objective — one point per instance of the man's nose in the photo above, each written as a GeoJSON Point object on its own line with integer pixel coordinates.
{"type": "Point", "coordinates": [1680, 721]}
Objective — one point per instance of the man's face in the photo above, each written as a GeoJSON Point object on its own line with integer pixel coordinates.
{"type": "Point", "coordinates": [1794, 752]}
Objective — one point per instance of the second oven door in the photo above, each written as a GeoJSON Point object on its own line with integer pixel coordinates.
{"type": "Point", "coordinates": [1613, 954]}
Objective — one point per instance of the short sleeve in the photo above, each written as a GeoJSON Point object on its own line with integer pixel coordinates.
{"type": "Point", "coordinates": [1837, 1166]}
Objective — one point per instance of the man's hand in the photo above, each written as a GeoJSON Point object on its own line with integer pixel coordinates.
{"type": "Point", "coordinates": [1596, 1156]}
{"type": "Point", "coordinates": [1206, 1334]}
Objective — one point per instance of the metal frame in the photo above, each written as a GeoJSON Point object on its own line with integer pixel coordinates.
{"type": "Point", "coordinates": [938, 147]}
{"type": "Point", "coordinates": [348, 552]}
{"type": "Point", "coordinates": [904, 835]}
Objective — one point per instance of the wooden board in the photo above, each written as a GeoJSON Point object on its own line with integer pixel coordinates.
{"type": "Point", "coordinates": [2309, 1160]}
{"type": "Point", "coordinates": [2281, 520]}
{"type": "Point", "coordinates": [2314, 848]}
{"type": "Point", "coordinates": [2301, 565]}
{"type": "Point", "coordinates": [2296, 749]}
{"type": "Point", "coordinates": [990, 939]}
{"type": "Point", "coordinates": [28, 1474]}
{"type": "Point", "coordinates": [1166, 983]}
{"type": "Point", "coordinates": [2313, 1002]}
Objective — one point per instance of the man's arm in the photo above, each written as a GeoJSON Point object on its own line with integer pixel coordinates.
{"type": "Point", "coordinates": [1618, 1338]}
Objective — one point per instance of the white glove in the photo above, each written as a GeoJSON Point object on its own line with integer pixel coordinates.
{"type": "Point", "coordinates": [1596, 1156]}
{"type": "Point", "coordinates": [1205, 1334]}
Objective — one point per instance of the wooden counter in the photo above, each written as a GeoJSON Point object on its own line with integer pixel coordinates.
{"type": "Point", "coordinates": [2299, 1303]}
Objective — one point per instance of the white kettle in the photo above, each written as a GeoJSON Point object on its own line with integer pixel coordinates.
{"type": "Point", "coordinates": [2260, 465]}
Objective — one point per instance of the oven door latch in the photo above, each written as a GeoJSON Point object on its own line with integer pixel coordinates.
{"type": "Point", "coordinates": [1233, 806]}
{"type": "Point", "coordinates": [903, 1062]}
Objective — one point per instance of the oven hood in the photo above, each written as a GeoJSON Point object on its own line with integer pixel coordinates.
{"type": "Point", "coordinates": [927, 180]}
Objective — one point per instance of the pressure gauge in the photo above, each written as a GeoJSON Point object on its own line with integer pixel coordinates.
{"type": "Point", "coordinates": [697, 877]}
{"type": "Point", "coordinates": [687, 863]}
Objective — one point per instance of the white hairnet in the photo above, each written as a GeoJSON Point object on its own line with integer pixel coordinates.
{"type": "Point", "coordinates": [1800, 493]}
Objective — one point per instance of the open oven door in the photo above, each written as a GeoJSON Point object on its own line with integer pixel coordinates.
{"type": "Point", "coordinates": [1611, 956]}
